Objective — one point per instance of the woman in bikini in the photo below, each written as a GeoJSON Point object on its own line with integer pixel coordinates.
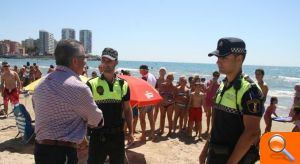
{"type": "Point", "coordinates": [181, 102]}
{"type": "Point", "coordinates": [167, 91]}
{"type": "Point", "coordinates": [159, 81]}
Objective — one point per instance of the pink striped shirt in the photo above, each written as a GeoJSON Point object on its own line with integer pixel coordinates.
{"type": "Point", "coordinates": [63, 107]}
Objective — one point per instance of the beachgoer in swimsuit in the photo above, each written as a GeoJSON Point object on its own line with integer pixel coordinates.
{"type": "Point", "coordinates": [51, 69]}
{"type": "Point", "coordinates": [167, 91]}
{"type": "Point", "coordinates": [182, 96]}
{"type": "Point", "coordinates": [196, 78]}
{"type": "Point", "coordinates": [191, 82]}
{"type": "Point", "coordinates": [37, 72]}
{"type": "Point", "coordinates": [196, 104]}
{"type": "Point", "coordinates": [211, 89]}
{"type": "Point", "coordinates": [159, 81]}
{"type": "Point", "coordinates": [26, 76]}
{"type": "Point", "coordinates": [259, 75]}
{"type": "Point", "coordinates": [31, 74]}
{"type": "Point", "coordinates": [270, 110]}
{"type": "Point", "coordinates": [296, 109]}
{"type": "Point", "coordinates": [10, 84]}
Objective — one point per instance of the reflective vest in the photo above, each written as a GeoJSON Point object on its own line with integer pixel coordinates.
{"type": "Point", "coordinates": [230, 100]}
{"type": "Point", "coordinates": [102, 93]}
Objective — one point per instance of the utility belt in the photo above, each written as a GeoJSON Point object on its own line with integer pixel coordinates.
{"type": "Point", "coordinates": [101, 131]}
{"type": "Point", "coordinates": [219, 149]}
{"type": "Point", "coordinates": [250, 157]}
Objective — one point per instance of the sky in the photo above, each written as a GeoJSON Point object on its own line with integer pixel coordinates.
{"type": "Point", "coordinates": [165, 30]}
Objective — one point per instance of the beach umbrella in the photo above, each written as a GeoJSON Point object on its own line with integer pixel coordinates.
{"type": "Point", "coordinates": [141, 92]}
{"type": "Point", "coordinates": [31, 87]}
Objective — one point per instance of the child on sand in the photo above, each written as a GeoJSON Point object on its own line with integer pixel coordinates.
{"type": "Point", "coordinates": [270, 110]}
{"type": "Point", "coordinates": [195, 111]}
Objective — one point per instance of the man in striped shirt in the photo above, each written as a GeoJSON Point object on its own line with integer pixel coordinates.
{"type": "Point", "coordinates": [63, 107]}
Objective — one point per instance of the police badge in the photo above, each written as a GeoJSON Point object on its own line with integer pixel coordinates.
{"type": "Point", "coordinates": [100, 90]}
{"type": "Point", "coordinates": [253, 106]}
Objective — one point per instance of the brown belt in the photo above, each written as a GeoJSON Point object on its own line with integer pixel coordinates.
{"type": "Point", "coordinates": [57, 143]}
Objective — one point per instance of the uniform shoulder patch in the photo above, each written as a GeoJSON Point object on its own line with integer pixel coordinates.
{"type": "Point", "coordinates": [254, 106]}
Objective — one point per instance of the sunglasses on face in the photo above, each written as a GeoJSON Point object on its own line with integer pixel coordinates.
{"type": "Point", "coordinates": [82, 56]}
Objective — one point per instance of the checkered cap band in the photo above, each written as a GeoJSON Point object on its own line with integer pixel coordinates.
{"type": "Point", "coordinates": [238, 50]}
{"type": "Point", "coordinates": [110, 52]}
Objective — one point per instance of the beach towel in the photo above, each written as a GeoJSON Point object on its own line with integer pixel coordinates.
{"type": "Point", "coordinates": [23, 122]}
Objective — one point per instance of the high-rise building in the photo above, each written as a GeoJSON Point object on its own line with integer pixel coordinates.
{"type": "Point", "coordinates": [31, 47]}
{"type": "Point", "coordinates": [28, 43]}
{"type": "Point", "coordinates": [86, 40]}
{"type": "Point", "coordinates": [67, 33]}
{"type": "Point", "coordinates": [4, 48]}
{"type": "Point", "coordinates": [8, 47]}
{"type": "Point", "coordinates": [46, 43]}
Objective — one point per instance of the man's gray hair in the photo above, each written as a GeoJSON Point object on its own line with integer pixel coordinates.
{"type": "Point", "coordinates": [65, 51]}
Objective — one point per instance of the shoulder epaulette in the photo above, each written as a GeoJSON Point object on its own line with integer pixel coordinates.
{"type": "Point", "coordinates": [92, 79]}
{"type": "Point", "coordinates": [121, 81]}
{"type": "Point", "coordinates": [247, 78]}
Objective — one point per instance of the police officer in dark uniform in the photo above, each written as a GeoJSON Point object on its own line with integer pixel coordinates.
{"type": "Point", "coordinates": [238, 108]}
{"type": "Point", "coordinates": [112, 96]}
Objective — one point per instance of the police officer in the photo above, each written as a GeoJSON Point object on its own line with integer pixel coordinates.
{"type": "Point", "coordinates": [238, 108]}
{"type": "Point", "coordinates": [112, 96]}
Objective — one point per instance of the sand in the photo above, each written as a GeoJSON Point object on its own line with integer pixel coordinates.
{"type": "Point", "coordinates": [175, 149]}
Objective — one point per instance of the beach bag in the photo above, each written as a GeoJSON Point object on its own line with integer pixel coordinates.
{"type": "Point", "coordinates": [23, 122]}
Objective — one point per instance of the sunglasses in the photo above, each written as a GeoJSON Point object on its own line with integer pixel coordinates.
{"type": "Point", "coordinates": [82, 57]}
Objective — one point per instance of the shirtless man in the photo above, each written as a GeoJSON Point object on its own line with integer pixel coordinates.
{"type": "Point", "coordinates": [167, 91]}
{"type": "Point", "coordinates": [159, 81]}
{"type": "Point", "coordinates": [182, 95]}
{"type": "Point", "coordinates": [10, 85]}
{"type": "Point", "coordinates": [51, 69]}
{"type": "Point", "coordinates": [259, 75]}
{"type": "Point", "coordinates": [37, 72]}
{"type": "Point", "coordinates": [197, 102]}
{"type": "Point", "coordinates": [190, 80]}
{"type": "Point", "coordinates": [196, 79]}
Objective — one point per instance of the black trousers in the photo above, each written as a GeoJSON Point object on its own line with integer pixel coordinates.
{"type": "Point", "coordinates": [50, 154]}
{"type": "Point", "coordinates": [103, 145]}
{"type": "Point", "coordinates": [213, 158]}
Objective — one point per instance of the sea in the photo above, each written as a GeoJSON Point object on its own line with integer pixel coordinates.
{"type": "Point", "coordinates": [281, 80]}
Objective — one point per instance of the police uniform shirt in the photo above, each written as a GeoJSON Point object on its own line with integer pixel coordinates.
{"type": "Point", "coordinates": [228, 126]}
{"type": "Point", "coordinates": [112, 110]}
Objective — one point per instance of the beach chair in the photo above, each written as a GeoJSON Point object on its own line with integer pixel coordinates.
{"type": "Point", "coordinates": [24, 123]}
